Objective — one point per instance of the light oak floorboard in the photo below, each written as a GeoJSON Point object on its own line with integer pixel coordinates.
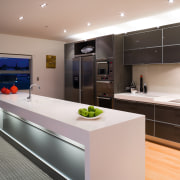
{"type": "Point", "coordinates": [162, 163]}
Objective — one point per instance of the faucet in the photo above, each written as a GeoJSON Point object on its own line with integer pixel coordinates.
{"type": "Point", "coordinates": [32, 85]}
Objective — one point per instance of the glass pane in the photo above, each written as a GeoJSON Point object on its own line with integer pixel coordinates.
{"type": "Point", "coordinates": [22, 81]}
{"type": "Point", "coordinates": [20, 64]}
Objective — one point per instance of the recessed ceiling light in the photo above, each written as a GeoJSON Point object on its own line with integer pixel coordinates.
{"type": "Point", "coordinates": [43, 5]}
{"type": "Point", "coordinates": [21, 18]}
{"type": "Point", "coordinates": [171, 1]}
{"type": "Point", "coordinates": [88, 24]}
{"type": "Point", "coordinates": [122, 14]}
{"type": "Point", "coordinates": [65, 31]}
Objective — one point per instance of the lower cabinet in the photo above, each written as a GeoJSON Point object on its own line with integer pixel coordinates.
{"type": "Point", "coordinates": [150, 127]}
{"type": "Point", "coordinates": [167, 131]}
{"type": "Point", "coordinates": [167, 124]}
{"type": "Point", "coordinates": [162, 121]}
{"type": "Point", "coordinates": [138, 107]}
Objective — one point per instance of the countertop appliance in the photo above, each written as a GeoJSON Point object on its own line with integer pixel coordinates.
{"type": "Point", "coordinates": [84, 79]}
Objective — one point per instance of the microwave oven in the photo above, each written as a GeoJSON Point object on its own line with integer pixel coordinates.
{"type": "Point", "coordinates": [104, 70]}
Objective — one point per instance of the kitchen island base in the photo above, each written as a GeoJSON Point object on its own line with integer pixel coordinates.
{"type": "Point", "coordinates": [112, 147]}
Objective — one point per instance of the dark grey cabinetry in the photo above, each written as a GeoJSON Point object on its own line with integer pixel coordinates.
{"type": "Point", "coordinates": [162, 121]}
{"type": "Point", "coordinates": [143, 47]}
{"type": "Point", "coordinates": [140, 108]}
{"type": "Point", "coordinates": [143, 39]}
{"type": "Point", "coordinates": [143, 56]}
{"type": "Point", "coordinates": [68, 66]}
{"type": "Point", "coordinates": [167, 124]}
{"type": "Point", "coordinates": [171, 35]}
{"type": "Point", "coordinates": [104, 47]}
{"type": "Point", "coordinates": [171, 42]}
{"type": "Point", "coordinates": [171, 54]}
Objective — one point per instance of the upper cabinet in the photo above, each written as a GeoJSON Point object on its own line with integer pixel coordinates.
{"type": "Point", "coordinates": [153, 46]}
{"type": "Point", "coordinates": [104, 47]}
{"type": "Point", "coordinates": [171, 35]}
{"type": "Point", "coordinates": [171, 43]}
{"type": "Point", "coordinates": [143, 40]}
{"type": "Point", "coordinates": [143, 47]}
{"type": "Point", "coordinates": [143, 56]}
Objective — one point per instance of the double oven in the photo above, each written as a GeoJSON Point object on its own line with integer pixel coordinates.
{"type": "Point", "coordinates": [104, 82]}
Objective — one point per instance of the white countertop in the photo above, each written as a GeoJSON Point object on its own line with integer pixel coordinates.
{"type": "Point", "coordinates": [153, 97]}
{"type": "Point", "coordinates": [61, 116]}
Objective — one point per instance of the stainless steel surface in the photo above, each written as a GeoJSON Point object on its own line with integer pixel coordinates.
{"type": "Point", "coordinates": [87, 80]}
{"type": "Point", "coordinates": [84, 79]}
{"type": "Point", "coordinates": [107, 82]}
{"type": "Point", "coordinates": [76, 89]}
{"type": "Point", "coordinates": [81, 55]}
{"type": "Point", "coordinates": [32, 85]}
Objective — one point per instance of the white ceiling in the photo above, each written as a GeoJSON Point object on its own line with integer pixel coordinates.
{"type": "Point", "coordinates": [73, 15]}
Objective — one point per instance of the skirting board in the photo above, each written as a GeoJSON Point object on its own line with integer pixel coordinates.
{"type": "Point", "coordinates": [164, 142]}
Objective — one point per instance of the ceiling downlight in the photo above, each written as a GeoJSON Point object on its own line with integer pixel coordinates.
{"type": "Point", "coordinates": [21, 18]}
{"type": "Point", "coordinates": [170, 1]}
{"type": "Point", "coordinates": [43, 5]}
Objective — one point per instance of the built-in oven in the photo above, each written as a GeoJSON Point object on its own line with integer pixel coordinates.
{"type": "Point", "coordinates": [104, 93]}
{"type": "Point", "coordinates": [104, 70]}
{"type": "Point", "coordinates": [104, 102]}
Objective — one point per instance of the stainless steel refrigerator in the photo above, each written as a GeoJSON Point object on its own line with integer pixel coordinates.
{"type": "Point", "coordinates": [84, 79]}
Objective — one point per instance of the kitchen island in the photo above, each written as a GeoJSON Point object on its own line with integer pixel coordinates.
{"type": "Point", "coordinates": [111, 147]}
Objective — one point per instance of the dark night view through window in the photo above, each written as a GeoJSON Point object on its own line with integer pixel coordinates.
{"type": "Point", "coordinates": [15, 71]}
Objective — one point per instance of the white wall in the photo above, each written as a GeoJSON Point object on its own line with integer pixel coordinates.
{"type": "Point", "coordinates": [159, 77]}
{"type": "Point", "coordinates": [51, 80]}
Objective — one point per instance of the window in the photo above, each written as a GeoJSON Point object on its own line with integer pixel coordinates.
{"type": "Point", "coordinates": [15, 70]}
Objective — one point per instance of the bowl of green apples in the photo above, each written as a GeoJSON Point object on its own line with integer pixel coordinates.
{"type": "Point", "coordinates": [90, 112]}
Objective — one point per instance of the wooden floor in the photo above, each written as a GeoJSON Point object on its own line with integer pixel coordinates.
{"type": "Point", "coordinates": [162, 163]}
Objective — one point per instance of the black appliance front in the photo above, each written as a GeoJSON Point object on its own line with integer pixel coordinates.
{"type": "Point", "coordinates": [104, 102]}
{"type": "Point", "coordinates": [104, 70]}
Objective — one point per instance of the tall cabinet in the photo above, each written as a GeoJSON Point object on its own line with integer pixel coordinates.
{"type": "Point", "coordinates": [106, 48]}
{"type": "Point", "coordinates": [68, 66]}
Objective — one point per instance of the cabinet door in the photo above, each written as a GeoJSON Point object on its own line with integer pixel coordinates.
{"type": "Point", "coordinates": [68, 67]}
{"type": "Point", "coordinates": [138, 107]}
{"type": "Point", "coordinates": [135, 107]}
{"type": "Point", "coordinates": [167, 114]}
{"type": "Point", "coordinates": [150, 127]}
{"type": "Point", "coordinates": [171, 54]}
{"type": "Point", "coordinates": [171, 35]}
{"type": "Point", "coordinates": [167, 131]}
{"type": "Point", "coordinates": [143, 56]}
{"type": "Point", "coordinates": [104, 47]}
{"type": "Point", "coordinates": [143, 39]}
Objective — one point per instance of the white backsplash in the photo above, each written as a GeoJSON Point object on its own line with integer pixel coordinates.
{"type": "Point", "coordinates": [163, 78]}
